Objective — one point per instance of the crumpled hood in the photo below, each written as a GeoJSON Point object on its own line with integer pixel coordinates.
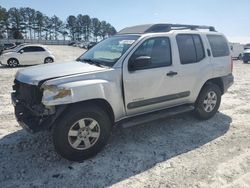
{"type": "Point", "coordinates": [33, 75]}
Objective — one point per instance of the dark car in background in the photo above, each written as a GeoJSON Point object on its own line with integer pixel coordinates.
{"type": "Point", "coordinates": [246, 56]}
{"type": "Point", "coordinates": [91, 44]}
{"type": "Point", "coordinates": [6, 46]}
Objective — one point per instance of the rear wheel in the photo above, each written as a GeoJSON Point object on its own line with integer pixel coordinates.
{"type": "Point", "coordinates": [48, 60]}
{"type": "Point", "coordinates": [208, 101]}
{"type": "Point", "coordinates": [245, 61]}
{"type": "Point", "coordinates": [82, 132]}
{"type": "Point", "coordinates": [13, 62]}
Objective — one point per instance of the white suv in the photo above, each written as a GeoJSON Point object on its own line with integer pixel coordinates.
{"type": "Point", "coordinates": [143, 73]}
{"type": "Point", "coordinates": [28, 54]}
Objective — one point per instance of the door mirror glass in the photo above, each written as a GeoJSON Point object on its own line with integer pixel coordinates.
{"type": "Point", "coordinates": [139, 62]}
{"type": "Point", "coordinates": [21, 51]}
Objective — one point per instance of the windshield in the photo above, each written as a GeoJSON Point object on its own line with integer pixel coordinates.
{"type": "Point", "coordinates": [107, 52]}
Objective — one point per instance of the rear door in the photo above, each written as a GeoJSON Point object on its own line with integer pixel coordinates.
{"type": "Point", "coordinates": [194, 62]}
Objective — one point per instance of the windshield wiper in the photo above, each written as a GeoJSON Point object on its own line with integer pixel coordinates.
{"type": "Point", "coordinates": [93, 62]}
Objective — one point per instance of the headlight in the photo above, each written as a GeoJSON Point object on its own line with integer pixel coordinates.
{"type": "Point", "coordinates": [52, 93]}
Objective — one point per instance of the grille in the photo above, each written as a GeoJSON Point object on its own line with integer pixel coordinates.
{"type": "Point", "coordinates": [27, 93]}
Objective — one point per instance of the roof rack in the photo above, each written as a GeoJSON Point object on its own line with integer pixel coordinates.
{"type": "Point", "coordinates": [156, 28]}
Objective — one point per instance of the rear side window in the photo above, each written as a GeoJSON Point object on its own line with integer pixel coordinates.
{"type": "Point", "coordinates": [38, 49]}
{"type": "Point", "coordinates": [218, 45]}
{"type": "Point", "coordinates": [190, 47]}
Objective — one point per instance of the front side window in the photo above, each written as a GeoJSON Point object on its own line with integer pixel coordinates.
{"type": "Point", "coordinates": [190, 47]}
{"type": "Point", "coordinates": [27, 49]}
{"type": "Point", "coordinates": [158, 49]}
{"type": "Point", "coordinates": [218, 45]}
{"type": "Point", "coordinates": [108, 52]}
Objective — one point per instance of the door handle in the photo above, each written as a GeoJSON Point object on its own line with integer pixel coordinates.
{"type": "Point", "coordinates": [172, 73]}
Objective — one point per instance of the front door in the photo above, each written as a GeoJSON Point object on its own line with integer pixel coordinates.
{"type": "Point", "coordinates": [29, 55]}
{"type": "Point", "coordinates": [154, 85]}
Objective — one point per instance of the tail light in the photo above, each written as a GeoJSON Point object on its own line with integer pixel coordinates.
{"type": "Point", "coordinates": [232, 64]}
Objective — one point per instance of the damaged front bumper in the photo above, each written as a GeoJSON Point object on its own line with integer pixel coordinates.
{"type": "Point", "coordinates": [34, 118]}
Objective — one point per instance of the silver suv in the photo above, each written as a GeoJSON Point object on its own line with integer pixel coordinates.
{"type": "Point", "coordinates": [143, 73]}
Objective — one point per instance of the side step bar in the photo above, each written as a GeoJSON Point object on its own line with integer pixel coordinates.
{"type": "Point", "coordinates": [140, 119]}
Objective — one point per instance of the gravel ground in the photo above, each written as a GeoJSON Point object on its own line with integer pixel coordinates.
{"type": "Point", "coordinates": [175, 152]}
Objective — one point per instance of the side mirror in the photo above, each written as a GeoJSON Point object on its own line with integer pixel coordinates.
{"type": "Point", "coordinates": [21, 51]}
{"type": "Point", "coordinates": [139, 62]}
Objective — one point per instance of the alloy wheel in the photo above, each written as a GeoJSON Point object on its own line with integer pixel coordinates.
{"type": "Point", "coordinates": [84, 134]}
{"type": "Point", "coordinates": [210, 101]}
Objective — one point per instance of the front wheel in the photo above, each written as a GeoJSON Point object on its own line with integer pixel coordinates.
{"type": "Point", "coordinates": [245, 61]}
{"type": "Point", "coordinates": [208, 101]}
{"type": "Point", "coordinates": [82, 132]}
{"type": "Point", "coordinates": [12, 62]}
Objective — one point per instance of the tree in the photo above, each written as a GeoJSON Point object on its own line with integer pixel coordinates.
{"type": "Point", "coordinates": [4, 22]}
{"type": "Point", "coordinates": [30, 15]}
{"type": "Point", "coordinates": [71, 26]}
{"type": "Point", "coordinates": [16, 34]}
{"type": "Point", "coordinates": [96, 26]}
{"type": "Point", "coordinates": [24, 22]}
{"type": "Point", "coordinates": [15, 22]}
{"type": "Point", "coordinates": [29, 23]}
{"type": "Point", "coordinates": [47, 28]}
{"type": "Point", "coordinates": [86, 27]}
{"type": "Point", "coordinates": [111, 31]}
{"type": "Point", "coordinates": [40, 23]}
{"type": "Point", "coordinates": [64, 34]}
{"type": "Point", "coordinates": [56, 25]}
{"type": "Point", "coordinates": [104, 29]}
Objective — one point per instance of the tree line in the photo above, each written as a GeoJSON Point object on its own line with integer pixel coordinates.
{"type": "Point", "coordinates": [27, 23]}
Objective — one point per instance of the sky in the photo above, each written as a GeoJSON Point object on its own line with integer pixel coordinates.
{"type": "Point", "coordinates": [230, 17]}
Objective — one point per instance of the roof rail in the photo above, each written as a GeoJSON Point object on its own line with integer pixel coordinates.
{"type": "Point", "coordinates": [156, 28]}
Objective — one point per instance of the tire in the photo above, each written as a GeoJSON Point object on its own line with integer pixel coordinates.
{"type": "Point", "coordinates": [245, 61]}
{"type": "Point", "coordinates": [12, 62]}
{"type": "Point", "coordinates": [77, 148]}
{"type": "Point", "coordinates": [48, 60]}
{"type": "Point", "coordinates": [208, 101]}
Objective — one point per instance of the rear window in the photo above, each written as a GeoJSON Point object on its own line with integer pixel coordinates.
{"type": "Point", "coordinates": [218, 45]}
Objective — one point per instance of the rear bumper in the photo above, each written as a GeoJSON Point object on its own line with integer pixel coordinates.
{"type": "Point", "coordinates": [227, 81]}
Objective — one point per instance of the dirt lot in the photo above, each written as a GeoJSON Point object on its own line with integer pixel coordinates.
{"type": "Point", "coordinates": [175, 152]}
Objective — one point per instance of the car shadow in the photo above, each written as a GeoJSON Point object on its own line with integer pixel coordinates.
{"type": "Point", "coordinates": [19, 66]}
{"type": "Point", "coordinates": [30, 160]}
